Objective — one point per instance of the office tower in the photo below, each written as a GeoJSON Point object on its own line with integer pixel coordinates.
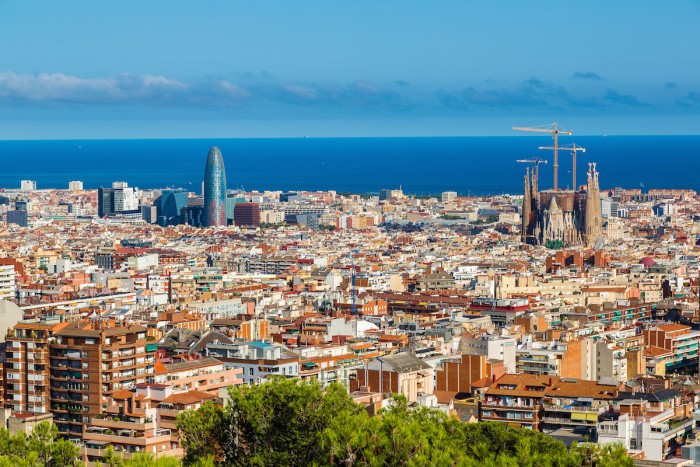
{"type": "Point", "coordinates": [23, 204]}
{"type": "Point", "coordinates": [170, 204]}
{"type": "Point", "coordinates": [125, 199]}
{"type": "Point", "coordinates": [89, 362]}
{"type": "Point", "coordinates": [149, 214]}
{"type": "Point", "coordinates": [18, 217]}
{"type": "Point", "coordinates": [387, 193]}
{"type": "Point", "coordinates": [104, 202]}
{"type": "Point", "coordinates": [193, 215]}
{"type": "Point", "coordinates": [214, 189]}
{"type": "Point", "coordinates": [118, 200]}
{"type": "Point", "coordinates": [75, 186]}
{"type": "Point", "coordinates": [231, 200]}
{"type": "Point", "coordinates": [28, 185]}
{"type": "Point", "coordinates": [246, 214]}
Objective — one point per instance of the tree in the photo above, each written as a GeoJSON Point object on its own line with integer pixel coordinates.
{"type": "Point", "coordinates": [200, 432]}
{"type": "Point", "coordinates": [277, 423]}
{"type": "Point", "coordinates": [42, 448]}
{"type": "Point", "coordinates": [290, 422]}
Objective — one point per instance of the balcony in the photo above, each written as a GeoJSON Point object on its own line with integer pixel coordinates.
{"type": "Point", "coordinates": [125, 436]}
{"type": "Point", "coordinates": [671, 429]}
{"type": "Point", "coordinates": [567, 421]}
{"type": "Point", "coordinates": [571, 408]}
{"type": "Point", "coordinates": [122, 423]}
{"type": "Point", "coordinates": [508, 405]}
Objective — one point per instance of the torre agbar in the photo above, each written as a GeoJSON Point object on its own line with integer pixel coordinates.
{"type": "Point", "coordinates": [215, 189]}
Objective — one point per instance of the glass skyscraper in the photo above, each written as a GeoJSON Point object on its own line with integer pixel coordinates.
{"type": "Point", "coordinates": [215, 189]}
{"type": "Point", "coordinates": [170, 205]}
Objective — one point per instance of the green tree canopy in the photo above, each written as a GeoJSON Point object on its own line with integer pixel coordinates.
{"type": "Point", "coordinates": [289, 422]}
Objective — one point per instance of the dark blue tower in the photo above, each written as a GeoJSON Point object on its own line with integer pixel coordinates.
{"type": "Point", "coordinates": [215, 189]}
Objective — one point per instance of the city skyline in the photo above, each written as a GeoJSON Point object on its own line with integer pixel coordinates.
{"type": "Point", "coordinates": [238, 70]}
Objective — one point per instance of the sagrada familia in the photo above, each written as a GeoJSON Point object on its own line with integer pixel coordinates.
{"type": "Point", "coordinates": [571, 217]}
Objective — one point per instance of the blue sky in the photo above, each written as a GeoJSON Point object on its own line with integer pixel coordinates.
{"type": "Point", "coordinates": [86, 69]}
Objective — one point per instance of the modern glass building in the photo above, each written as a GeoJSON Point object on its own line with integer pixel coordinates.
{"type": "Point", "coordinates": [215, 189]}
{"type": "Point", "coordinates": [170, 206]}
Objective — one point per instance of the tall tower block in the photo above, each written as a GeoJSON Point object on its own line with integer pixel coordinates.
{"type": "Point", "coordinates": [215, 189]}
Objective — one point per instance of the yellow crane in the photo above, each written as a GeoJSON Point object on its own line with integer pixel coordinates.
{"type": "Point", "coordinates": [574, 149]}
{"type": "Point", "coordinates": [536, 165]}
{"type": "Point", "coordinates": [555, 131]}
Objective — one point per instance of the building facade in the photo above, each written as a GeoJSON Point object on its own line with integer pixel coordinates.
{"type": "Point", "coordinates": [215, 189]}
{"type": "Point", "coordinates": [562, 216]}
{"type": "Point", "coordinates": [88, 363]}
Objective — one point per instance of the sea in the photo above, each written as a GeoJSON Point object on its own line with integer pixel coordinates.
{"type": "Point", "coordinates": [418, 165]}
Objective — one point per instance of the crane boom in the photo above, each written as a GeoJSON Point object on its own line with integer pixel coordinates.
{"type": "Point", "coordinates": [536, 162]}
{"type": "Point", "coordinates": [574, 149]}
{"type": "Point", "coordinates": [554, 130]}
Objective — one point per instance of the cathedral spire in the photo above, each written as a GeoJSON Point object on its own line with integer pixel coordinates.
{"type": "Point", "coordinates": [527, 208]}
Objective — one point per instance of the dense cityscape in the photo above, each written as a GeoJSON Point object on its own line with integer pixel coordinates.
{"type": "Point", "coordinates": [570, 312]}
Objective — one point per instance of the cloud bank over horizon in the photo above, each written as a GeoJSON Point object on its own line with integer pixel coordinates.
{"type": "Point", "coordinates": [59, 90]}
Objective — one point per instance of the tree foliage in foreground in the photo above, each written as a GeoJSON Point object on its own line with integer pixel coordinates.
{"type": "Point", "coordinates": [289, 422]}
{"type": "Point", "coordinates": [41, 449]}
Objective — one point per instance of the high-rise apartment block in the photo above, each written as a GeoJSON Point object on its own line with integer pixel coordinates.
{"type": "Point", "coordinates": [75, 186]}
{"type": "Point", "coordinates": [7, 281]}
{"type": "Point", "coordinates": [89, 362]}
{"type": "Point", "coordinates": [27, 367]}
{"type": "Point", "coordinates": [28, 185]}
{"type": "Point", "coordinates": [215, 189]}
{"type": "Point", "coordinates": [448, 196]}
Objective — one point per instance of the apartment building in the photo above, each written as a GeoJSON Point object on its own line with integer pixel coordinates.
{"type": "Point", "coordinates": [658, 435]}
{"type": "Point", "coordinates": [603, 359]}
{"type": "Point", "coordinates": [88, 363]}
{"type": "Point", "coordinates": [576, 404]}
{"type": "Point", "coordinates": [517, 400]}
{"type": "Point", "coordinates": [493, 347]}
{"type": "Point", "coordinates": [401, 373]}
{"type": "Point", "coordinates": [205, 375]}
{"type": "Point", "coordinates": [257, 359]}
{"type": "Point", "coordinates": [140, 420]}
{"type": "Point", "coordinates": [7, 281]}
{"type": "Point", "coordinates": [27, 367]}
{"type": "Point", "coordinates": [681, 340]}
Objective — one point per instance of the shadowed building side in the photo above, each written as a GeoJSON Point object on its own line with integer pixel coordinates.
{"type": "Point", "coordinates": [215, 189]}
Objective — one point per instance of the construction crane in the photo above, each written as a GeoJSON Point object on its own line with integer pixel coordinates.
{"type": "Point", "coordinates": [536, 161]}
{"type": "Point", "coordinates": [574, 149]}
{"type": "Point", "coordinates": [555, 131]}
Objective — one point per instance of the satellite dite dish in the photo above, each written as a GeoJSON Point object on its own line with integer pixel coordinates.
{"type": "Point", "coordinates": [599, 243]}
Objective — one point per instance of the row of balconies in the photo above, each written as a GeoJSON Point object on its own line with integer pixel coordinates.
{"type": "Point", "coordinates": [568, 408]}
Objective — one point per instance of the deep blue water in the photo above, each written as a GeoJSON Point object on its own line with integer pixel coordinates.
{"type": "Point", "coordinates": [468, 165]}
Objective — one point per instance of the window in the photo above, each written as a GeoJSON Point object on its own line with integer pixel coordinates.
{"type": "Point", "coordinates": [250, 372]}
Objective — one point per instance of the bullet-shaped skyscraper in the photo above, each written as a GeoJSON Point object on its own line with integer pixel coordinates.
{"type": "Point", "coordinates": [215, 189]}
